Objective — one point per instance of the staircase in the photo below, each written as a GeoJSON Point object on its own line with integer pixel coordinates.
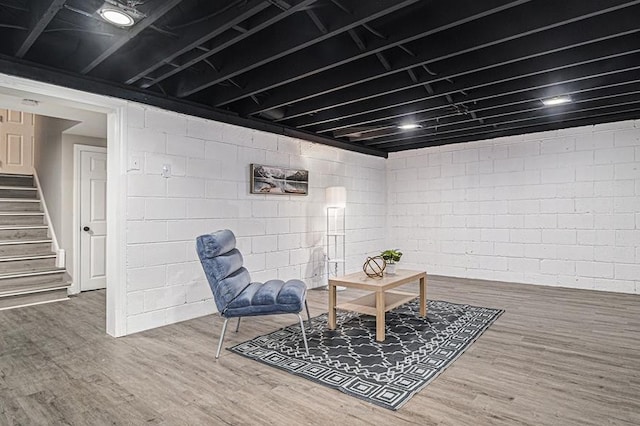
{"type": "Point", "coordinates": [28, 273]}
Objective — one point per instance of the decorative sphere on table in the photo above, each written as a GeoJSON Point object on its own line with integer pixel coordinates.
{"type": "Point", "coordinates": [374, 267]}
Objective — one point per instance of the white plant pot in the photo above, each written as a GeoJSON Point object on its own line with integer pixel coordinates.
{"type": "Point", "coordinates": [390, 269]}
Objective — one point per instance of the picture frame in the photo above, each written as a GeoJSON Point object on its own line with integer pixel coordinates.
{"type": "Point", "coordinates": [279, 180]}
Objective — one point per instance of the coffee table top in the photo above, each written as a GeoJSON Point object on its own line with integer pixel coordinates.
{"type": "Point", "coordinates": [361, 281]}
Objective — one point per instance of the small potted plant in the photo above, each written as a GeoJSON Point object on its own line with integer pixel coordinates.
{"type": "Point", "coordinates": [391, 257]}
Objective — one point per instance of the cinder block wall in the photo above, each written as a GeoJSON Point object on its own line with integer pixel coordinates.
{"type": "Point", "coordinates": [280, 236]}
{"type": "Point", "coordinates": [556, 208]}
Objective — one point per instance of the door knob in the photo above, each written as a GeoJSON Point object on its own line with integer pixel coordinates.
{"type": "Point", "coordinates": [86, 229]}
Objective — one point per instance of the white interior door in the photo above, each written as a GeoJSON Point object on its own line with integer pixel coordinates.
{"type": "Point", "coordinates": [93, 218]}
{"type": "Point", "coordinates": [16, 142]}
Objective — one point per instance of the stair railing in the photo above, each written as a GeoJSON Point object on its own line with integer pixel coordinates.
{"type": "Point", "coordinates": [55, 247]}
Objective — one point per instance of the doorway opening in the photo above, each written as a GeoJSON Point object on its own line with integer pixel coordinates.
{"type": "Point", "coordinates": [105, 190]}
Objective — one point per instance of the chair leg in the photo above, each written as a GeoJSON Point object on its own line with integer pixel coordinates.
{"type": "Point", "coordinates": [224, 329]}
{"type": "Point", "coordinates": [238, 325]}
{"type": "Point", "coordinates": [304, 335]}
{"type": "Point", "coordinates": [306, 306]}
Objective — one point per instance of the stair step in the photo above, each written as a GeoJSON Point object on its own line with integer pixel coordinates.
{"type": "Point", "coordinates": [12, 282]}
{"type": "Point", "coordinates": [23, 226]}
{"type": "Point", "coordinates": [31, 298]}
{"type": "Point", "coordinates": [12, 213]}
{"type": "Point", "coordinates": [29, 241]}
{"type": "Point", "coordinates": [19, 204]}
{"type": "Point", "coordinates": [31, 247]}
{"type": "Point", "coordinates": [25, 257]}
{"type": "Point", "coordinates": [23, 232]}
{"type": "Point", "coordinates": [27, 263]}
{"type": "Point", "coordinates": [21, 218]}
{"type": "Point", "coordinates": [7, 179]}
{"type": "Point", "coordinates": [18, 192]}
{"type": "Point", "coordinates": [19, 188]}
{"type": "Point", "coordinates": [31, 273]}
{"type": "Point", "coordinates": [19, 200]}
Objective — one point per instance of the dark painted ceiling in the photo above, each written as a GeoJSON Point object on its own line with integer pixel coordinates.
{"type": "Point", "coordinates": [346, 72]}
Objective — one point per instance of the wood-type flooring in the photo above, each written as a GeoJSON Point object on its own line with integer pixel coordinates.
{"type": "Point", "coordinates": [555, 357]}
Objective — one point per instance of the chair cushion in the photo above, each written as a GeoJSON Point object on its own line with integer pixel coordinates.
{"type": "Point", "coordinates": [225, 264]}
{"type": "Point", "coordinates": [229, 288]}
{"type": "Point", "coordinates": [272, 297]}
{"type": "Point", "coordinates": [212, 245]}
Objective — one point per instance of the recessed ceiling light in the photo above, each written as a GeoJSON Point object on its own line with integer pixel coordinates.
{"type": "Point", "coordinates": [409, 126]}
{"type": "Point", "coordinates": [558, 100]}
{"type": "Point", "coordinates": [116, 17]}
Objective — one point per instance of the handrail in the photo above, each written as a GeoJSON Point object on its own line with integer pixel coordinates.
{"type": "Point", "coordinates": [55, 247]}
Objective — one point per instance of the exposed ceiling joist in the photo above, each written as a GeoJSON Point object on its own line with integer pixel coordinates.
{"type": "Point", "coordinates": [441, 47]}
{"type": "Point", "coordinates": [547, 63]}
{"type": "Point", "coordinates": [15, 6]}
{"type": "Point", "coordinates": [537, 122]}
{"type": "Point", "coordinates": [497, 112]}
{"type": "Point", "coordinates": [512, 83]}
{"type": "Point", "coordinates": [383, 60]}
{"type": "Point", "coordinates": [357, 40]}
{"type": "Point", "coordinates": [586, 120]}
{"type": "Point", "coordinates": [531, 48]}
{"type": "Point", "coordinates": [269, 21]}
{"type": "Point", "coordinates": [442, 17]}
{"type": "Point", "coordinates": [193, 37]}
{"type": "Point", "coordinates": [42, 12]}
{"type": "Point", "coordinates": [317, 21]}
{"type": "Point", "coordinates": [281, 47]}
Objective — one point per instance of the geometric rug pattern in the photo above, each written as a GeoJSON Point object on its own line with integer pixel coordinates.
{"type": "Point", "coordinates": [415, 350]}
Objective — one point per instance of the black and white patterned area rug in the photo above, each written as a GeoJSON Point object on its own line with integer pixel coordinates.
{"type": "Point", "coordinates": [415, 350]}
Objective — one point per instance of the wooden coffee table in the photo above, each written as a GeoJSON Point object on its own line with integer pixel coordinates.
{"type": "Point", "coordinates": [381, 300]}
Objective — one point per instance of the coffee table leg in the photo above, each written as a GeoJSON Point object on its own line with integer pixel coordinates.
{"type": "Point", "coordinates": [380, 308]}
{"type": "Point", "coordinates": [332, 306]}
{"type": "Point", "coordinates": [423, 297]}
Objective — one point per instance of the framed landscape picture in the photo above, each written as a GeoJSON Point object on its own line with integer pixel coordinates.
{"type": "Point", "coordinates": [278, 180]}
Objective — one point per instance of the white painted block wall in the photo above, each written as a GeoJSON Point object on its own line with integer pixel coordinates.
{"type": "Point", "coordinates": [559, 208]}
{"type": "Point", "coordinates": [280, 236]}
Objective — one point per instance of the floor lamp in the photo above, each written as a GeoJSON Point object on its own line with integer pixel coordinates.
{"type": "Point", "coordinates": [336, 199]}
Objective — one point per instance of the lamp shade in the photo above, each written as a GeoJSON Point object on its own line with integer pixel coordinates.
{"type": "Point", "coordinates": [336, 196]}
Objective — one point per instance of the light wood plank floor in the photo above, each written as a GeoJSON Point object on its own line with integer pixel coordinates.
{"type": "Point", "coordinates": [555, 357]}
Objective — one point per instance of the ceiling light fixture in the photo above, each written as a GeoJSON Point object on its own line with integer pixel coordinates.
{"type": "Point", "coordinates": [119, 14]}
{"type": "Point", "coordinates": [116, 17]}
{"type": "Point", "coordinates": [558, 100]}
{"type": "Point", "coordinates": [409, 126]}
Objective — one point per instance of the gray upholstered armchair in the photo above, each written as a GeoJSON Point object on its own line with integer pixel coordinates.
{"type": "Point", "coordinates": [234, 293]}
